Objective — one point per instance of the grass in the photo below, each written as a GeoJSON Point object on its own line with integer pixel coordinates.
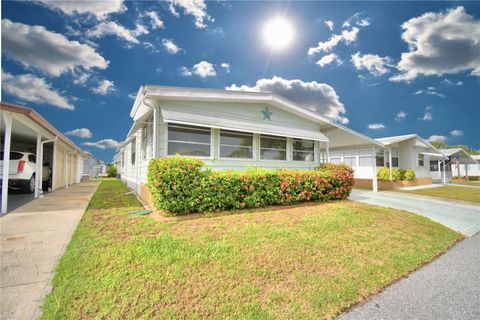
{"type": "Point", "coordinates": [302, 262]}
{"type": "Point", "coordinates": [449, 192]}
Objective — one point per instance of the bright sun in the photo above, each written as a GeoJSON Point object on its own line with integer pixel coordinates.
{"type": "Point", "coordinates": [278, 33]}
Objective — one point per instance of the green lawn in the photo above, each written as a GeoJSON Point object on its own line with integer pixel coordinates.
{"type": "Point", "coordinates": [450, 192]}
{"type": "Point", "coordinates": [469, 183]}
{"type": "Point", "coordinates": [303, 262]}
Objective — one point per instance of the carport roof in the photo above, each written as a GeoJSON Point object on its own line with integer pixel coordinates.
{"type": "Point", "coordinates": [37, 118]}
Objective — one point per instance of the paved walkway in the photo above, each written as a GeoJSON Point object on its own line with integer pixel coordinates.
{"type": "Point", "coordinates": [33, 238]}
{"type": "Point", "coordinates": [458, 216]}
{"type": "Point", "coordinates": [448, 288]}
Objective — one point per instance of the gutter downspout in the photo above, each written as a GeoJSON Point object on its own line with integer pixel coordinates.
{"type": "Point", "coordinates": [155, 121]}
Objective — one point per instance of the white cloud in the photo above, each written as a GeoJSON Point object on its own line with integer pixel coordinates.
{"type": "Point", "coordinates": [329, 24]}
{"type": "Point", "coordinates": [440, 43]}
{"type": "Point", "coordinates": [170, 46]}
{"type": "Point", "coordinates": [376, 126]}
{"type": "Point", "coordinates": [317, 97]}
{"type": "Point", "coordinates": [437, 138]}
{"type": "Point", "coordinates": [50, 52]}
{"type": "Point", "coordinates": [452, 83]}
{"type": "Point", "coordinates": [103, 144]}
{"type": "Point", "coordinates": [346, 37]}
{"type": "Point", "coordinates": [427, 115]}
{"type": "Point", "coordinates": [81, 78]}
{"type": "Point", "coordinates": [100, 9]}
{"type": "Point", "coordinates": [203, 69]}
{"type": "Point", "coordinates": [402, 115]}
{"type": "Point", "coordinates": [456, 133]}
{"type": "Point", "coordinates": [430, 91]}
{"type": "Point", "coordinates": [363, 23]}
{"type": "Point", "coordinates": [375, 64]}
{"type": "Point", "coordinates": [112, 28]}
{"type": "Point", "coordinates": [81, 133]}
{"type": "Point", "coordinates": [104, 87]}
{"type": "Point", "coordinates": [195, 8]}
{"type": "Point", "coordinates": [132, 95]}
{"type": "Point", "coordinates": [30, 88]}
{"type": "Point", "coordinates": [155, 20]}
{"type": "Point", "coordinates": [328, 59]}
{"type": "Point", "coordinates": [225, 66]}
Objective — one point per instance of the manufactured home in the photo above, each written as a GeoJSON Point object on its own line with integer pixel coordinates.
{"type": "Point", "coordinates": [459, 162]}
{"type": "Point", "coordinates": [236, 130]}
{"type": "Point", "coordinates": [413, 152]}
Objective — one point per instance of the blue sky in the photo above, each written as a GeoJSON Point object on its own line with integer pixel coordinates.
{"type": "Point", "coordinates": [380, 68]}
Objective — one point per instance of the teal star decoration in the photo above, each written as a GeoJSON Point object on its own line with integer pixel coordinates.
{"type": "Point", "coordinates": [266, 114]}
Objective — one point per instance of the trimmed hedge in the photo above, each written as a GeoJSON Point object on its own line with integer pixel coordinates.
{"type": "Point", "coordinates": [183, 185]}
{"type": "Point", "coordinates": [383, 174]}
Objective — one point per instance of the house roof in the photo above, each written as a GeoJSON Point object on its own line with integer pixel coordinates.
{"type": "Point", "coordinates": [219, 95]}
{"type": "Point", "coordinates": [463, 156]}
{"type": "Point", "coordinates": [37, 118]}
{"type": "Point", "coordinates": [396, 139]}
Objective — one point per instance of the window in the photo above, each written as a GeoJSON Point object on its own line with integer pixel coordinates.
{"type": "Point", "coordinates": [144, 143]}
{"type": "Point", "coordinates": [13, 156]}
{"type": "Point", "coordinates": [395, 157]}
{"type": "Point", "coordinates": [335, 160]}
{"type": "Point", "coordinates": [273, 148]}
{"type": "Point", "coordinates": [349, 161]}
{"type": "Point", "coordinates": [303, 150]}
{"type": "Point", "coordinates": [380, 156]}
{"type": "Point", "coordinates": [236, 145]}
{"type": "Point", "coordinates": [433, 165]}
{"type": "Point", "coordinates": [31, 158]}
{"type": "Point", "coordinates": [365, 161]}
{"type": "Point", "coordinates": [189, 140]}
{"type": "Point", "coordinates": [133, 147]}
{"type": "Point", "coordinates": [420, 160]}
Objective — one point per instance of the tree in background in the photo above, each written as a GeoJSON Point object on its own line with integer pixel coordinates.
{"type": "Point", "coordinates": [443, 145]}
{"type": "Point", "coordinates": [112, 170]}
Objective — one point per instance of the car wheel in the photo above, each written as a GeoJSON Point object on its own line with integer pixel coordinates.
{"type": "Point", "coordinates": [31, 184]}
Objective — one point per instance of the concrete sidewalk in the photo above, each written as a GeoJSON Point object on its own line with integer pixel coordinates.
{"type": "Point", "coordinates": [460, 216]}
{"type": "Point", "coordinates": [445, 289]}
{"type": "Point", "coordinates": [33, 238]}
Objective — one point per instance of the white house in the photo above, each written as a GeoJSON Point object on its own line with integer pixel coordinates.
{"type": "Point", "coordinates": [412, 152]}
{"type": "Point", "coordinates": [459, 162]}
{"type": "Point", "coordinates": [92, 167]}
{"type": "Point", "coordinates": [473, 169]}
{"type": "Point", "coordinates": [236, 130]}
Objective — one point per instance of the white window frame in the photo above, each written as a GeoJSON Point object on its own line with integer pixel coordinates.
{"type": "Point", "coordinates": [301, 151]}
{"type": "Point", "coordinates": [274, 137]}
{"type": "Point", "coordinates": [254, 145]}
{"type": "Point", "coordinates": [189, 125]}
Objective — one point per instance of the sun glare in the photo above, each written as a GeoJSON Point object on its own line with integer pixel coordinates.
{"type": "Point", "coordinates": [278, 33]}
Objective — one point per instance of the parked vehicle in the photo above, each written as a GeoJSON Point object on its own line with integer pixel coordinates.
{"type": "Point", "coordinates": [21, 172]}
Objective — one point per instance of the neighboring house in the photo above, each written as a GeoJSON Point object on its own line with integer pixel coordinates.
{"type": "Point", "coordinates": [236, 130]}
{"type": "Point", "coordinates": [472, 169]}
{"type": "Point", "coordinates": [459, 162]}
{"type": "Point", "coordinates": [23, 129]}
{"type": "Point", "coordinates": [102, 168]}
{"type": "Point", "coordinates": [412, 152]}
{"type": "Point", "coordinates": [90, 167]}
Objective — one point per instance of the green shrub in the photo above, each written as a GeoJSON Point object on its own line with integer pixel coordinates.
{"type": "Point", "coordinates": [181, 185]}
{"type": "Point", "coordinates": [383, 174]}
{"type": "Point", "coordinates": [112, 170]}
{"type": "Point", "coordinates": [474, 178]}
{"type": "Point", "coordinates": [409, 175]}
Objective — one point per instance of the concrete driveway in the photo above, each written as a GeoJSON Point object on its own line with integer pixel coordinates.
{"type": "Point", "coordinates": [33, 238]}
{"type": "Point", "coordinates": [448, 288]}
{"type": "Point", "coordinates": [459, 216]}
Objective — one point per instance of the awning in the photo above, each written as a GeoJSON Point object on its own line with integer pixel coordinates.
{"type": "Point", "coordinates": [173, 114]}
{"type": "Point", "coordinates": [437, 155]}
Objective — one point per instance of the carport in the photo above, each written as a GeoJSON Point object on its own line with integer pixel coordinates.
{"type": "Point", "coordinates": [23, 129]}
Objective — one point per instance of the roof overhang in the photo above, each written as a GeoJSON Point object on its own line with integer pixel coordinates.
{"type": "Point", "coordinates": [29, 116]}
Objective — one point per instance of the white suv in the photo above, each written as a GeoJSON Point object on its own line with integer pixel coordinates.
{"type": "Point", "coordinates": [21, 172]}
